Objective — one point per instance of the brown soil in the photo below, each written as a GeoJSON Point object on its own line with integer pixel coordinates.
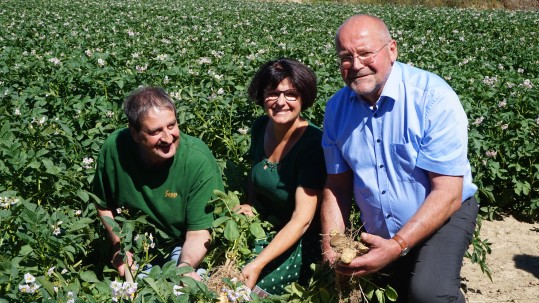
{"type": "Point", "coordinates": [514, 264]}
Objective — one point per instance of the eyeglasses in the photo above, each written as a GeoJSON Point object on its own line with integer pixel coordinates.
{"type": "Point", "coordinates": [348, 61]}
{"type": "Point", "coordinates": [289, 95]}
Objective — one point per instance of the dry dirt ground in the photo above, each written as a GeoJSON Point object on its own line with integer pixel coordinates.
{"type": "Point", "coordinates": [514, 264]}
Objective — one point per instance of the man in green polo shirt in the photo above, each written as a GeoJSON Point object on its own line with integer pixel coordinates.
{"type": "Point", "coordinates": [167, 175]}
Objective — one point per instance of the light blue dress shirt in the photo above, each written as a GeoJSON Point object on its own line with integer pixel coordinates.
{"type": "Point", "coordinates": [418, 125]}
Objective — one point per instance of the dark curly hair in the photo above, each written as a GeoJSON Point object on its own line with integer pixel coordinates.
{"type": "Point", "coordinates": [272, 73]}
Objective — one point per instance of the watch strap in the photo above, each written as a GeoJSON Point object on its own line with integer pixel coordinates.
{"type": "Point", "coordinates": [404, 246]}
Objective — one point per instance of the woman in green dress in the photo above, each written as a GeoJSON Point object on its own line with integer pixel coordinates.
{"type": "Point", "coordinates": [287, 177]}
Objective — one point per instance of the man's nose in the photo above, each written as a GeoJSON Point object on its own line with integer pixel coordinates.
{"type": "Point", "coordinates": [167, 137]}
{"type": "Point", "coordinates": [357, 64]}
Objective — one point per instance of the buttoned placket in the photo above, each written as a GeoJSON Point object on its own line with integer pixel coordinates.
{"type": "Point", "coordinates": [383, 180]}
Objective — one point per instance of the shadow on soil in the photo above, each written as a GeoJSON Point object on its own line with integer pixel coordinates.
{"type": "Point", "coordinates": [527, 263]}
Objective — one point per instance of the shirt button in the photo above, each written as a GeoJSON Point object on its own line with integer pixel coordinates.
{"type": "Point", "coordinates": [388, 216]}
{"type": "Point", "coordinates": [378, 140]}
{"type": "Point", "coordinates": [383, 192]}
{"type": "Point", "coordinates": [381, 165]}
{"type": "Point", "coordinates": [376, 115]}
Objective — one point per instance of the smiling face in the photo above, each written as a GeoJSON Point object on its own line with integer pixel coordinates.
{"type": "Point", "coordinates": [281, 110]}
{"type": "Point", "coordinates": [158, 138]}
{"type": "Point", "coordinates": [362, 36]}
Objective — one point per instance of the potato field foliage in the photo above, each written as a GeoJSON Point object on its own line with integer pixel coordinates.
{"type": "Point", "coordinates": [66, 66]}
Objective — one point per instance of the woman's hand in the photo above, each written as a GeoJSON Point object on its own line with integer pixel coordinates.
{"type": "Point", "coordinates": [251, 272]}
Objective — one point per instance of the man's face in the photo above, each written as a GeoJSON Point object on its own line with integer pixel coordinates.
{"type": "Point", "coordinates": [366, 79]}
{"type": "Point", "coordinates": [158, 137]}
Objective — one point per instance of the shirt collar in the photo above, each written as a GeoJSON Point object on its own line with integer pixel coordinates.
{"type": "Point", "coordinates": [391, 88]}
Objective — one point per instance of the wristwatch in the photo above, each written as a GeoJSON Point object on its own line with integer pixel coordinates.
{"type": "Point", "coordinates": [404, 246]}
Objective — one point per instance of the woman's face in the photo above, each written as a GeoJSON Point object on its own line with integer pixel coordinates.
{"type": "Point", "coordinates": [283, 104]}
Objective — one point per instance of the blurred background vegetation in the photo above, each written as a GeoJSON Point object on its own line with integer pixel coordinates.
{"type": "Point", "coordinates": [478, 4]}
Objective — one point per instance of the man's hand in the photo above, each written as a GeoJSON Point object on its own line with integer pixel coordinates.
{"type": "Point", "coordinates": [119, 264]}
{"type": "Point", "coordinates": [245, 209]}
{"type": "Point", "coordinates": [191, 274]}
{"type": "Point", "coordinates": [382, 252]}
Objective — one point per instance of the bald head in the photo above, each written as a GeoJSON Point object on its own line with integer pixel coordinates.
{"type": "Point", "coordinates": [362, 25]}
{"type": "Point", "coordinates": [366, 53]}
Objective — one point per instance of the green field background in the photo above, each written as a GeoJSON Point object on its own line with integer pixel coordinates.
{"type": "Point", "coordinates": [66, 66]}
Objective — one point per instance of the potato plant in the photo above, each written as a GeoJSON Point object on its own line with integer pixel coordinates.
{"type": "Point", "coordinates": [66, 66]}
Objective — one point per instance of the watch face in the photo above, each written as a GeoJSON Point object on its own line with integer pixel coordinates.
{"type": "Point", "coordinates": [405, 251]}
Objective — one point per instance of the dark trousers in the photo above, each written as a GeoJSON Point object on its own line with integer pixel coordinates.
{"type": "Point", "coordinates": [430, 273]}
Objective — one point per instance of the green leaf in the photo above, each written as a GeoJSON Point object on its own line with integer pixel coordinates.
{"type": "Point", "coordinates": [50, 167]}
{"type": "Point", "coordinates": [89, 276]}
{"type": "Point", "coordinates": [380, 295]}
{"type": "Point", "coordinates": [233, 200]}
{"type": "Point", "coordinates": [48, 286]}
{"type": "Point", "coordinates": [257, 231]}
{"type": "Point", "coordinates": [231, 230]}
{"type": "Point", "coordinates": [220, 221]}
{"type": "Point", "coordinates": [25, 250]}
{"type": "Point", "coordinates": [83, 195]}
{"type": "Point", "coordinates": [391, 294]}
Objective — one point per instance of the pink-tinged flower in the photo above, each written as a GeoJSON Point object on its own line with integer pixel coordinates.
{"type": "Point", "coordinates": [490, 81]}
{"type": "Point", "coordinates": [243, 130]}
{"type": "Point", "coordinates": [527, 84]}
{"type": "Point", "coordinates": [504, 126]}
{"type": "Point", "coordinates": [177, 290]}
{"type": "Point", "coordinates": [537, 120]}
{"type": "Point", "coordinates": [125, 290]}
{"type": "Point", "coordinates": [50, 271]}
{"type": "Point", "coordinates": [491, 153]}
{"type": "Point", "coordinates": [24, 288]}
{"type": "Point", "coordinates": [56, 231]}
{"type": "Point", "coordinates": [28, 278]}
{"type": "Point", "coordinates": [141, 68]}
{"type": "Point", "coordinates": [70, 297]}
{"type": "Point", "coordinates": [502, 103]}
{"type": "Point", "coordinates": [478, 121]}
{"type": "Point", "coordinates": [87, 163]}
{"type": "Point", "coordinates": [204, 60]}
{"type": "Point", "coordinates": [54, 60]}
{"type": "Point", "coordinates": [101, 62]}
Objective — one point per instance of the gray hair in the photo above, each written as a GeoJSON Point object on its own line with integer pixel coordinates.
{"type": "Point", "coordinates": [142, 100]}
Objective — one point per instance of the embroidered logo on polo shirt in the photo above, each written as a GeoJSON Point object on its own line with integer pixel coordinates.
{"type": "Point", "coordinates": [170, 195]}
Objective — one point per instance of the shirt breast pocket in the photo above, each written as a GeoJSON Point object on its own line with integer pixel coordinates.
{"type": "Point", "coordinates": [404, 157]}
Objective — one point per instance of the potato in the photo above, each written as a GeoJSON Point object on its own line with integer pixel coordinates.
{"type": "Point", "coordinates": [338, 240]}
{"type": "Point", "coordinates": [348, 254]}
{"type": "Point", "coordinates": [361, 248]}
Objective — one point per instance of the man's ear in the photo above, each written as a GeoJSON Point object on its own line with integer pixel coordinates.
{"type": "Point", "coordinates": [394, 53]}
{"type": "Point", "coordinates": [134, 133]}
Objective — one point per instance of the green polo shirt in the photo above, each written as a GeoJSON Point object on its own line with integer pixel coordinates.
{"type": "Point", "coordinates": [175, 197]}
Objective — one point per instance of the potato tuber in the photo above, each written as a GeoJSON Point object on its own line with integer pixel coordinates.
{"type": "Point", "coordinates": [345, 246]}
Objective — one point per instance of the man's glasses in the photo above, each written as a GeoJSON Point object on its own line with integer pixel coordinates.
{"type": "Point", "coordinates": [348, 61]}
{"type": "Point", "coordinates": [289, 95]}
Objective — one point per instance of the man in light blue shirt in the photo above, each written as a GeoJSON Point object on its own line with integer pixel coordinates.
{"type": "Point", "coordinates": [396, 138]}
